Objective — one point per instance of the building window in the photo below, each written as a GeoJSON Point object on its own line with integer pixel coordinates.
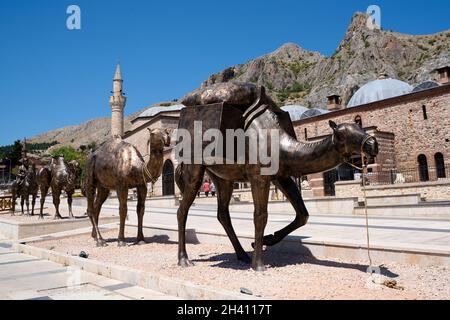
{"type": "Point", "coordinates": [306, 134]}
{"type": "Point", "coordinates": [423, 168]}
{"type": "Point", "coordinates": [168, 179]}
{"type": "Point", "coordinates": [424, 111]}
{"type": "Point", "coordinates": [358, 121]}
{"type": "Point", "coordinates": [440, 165]}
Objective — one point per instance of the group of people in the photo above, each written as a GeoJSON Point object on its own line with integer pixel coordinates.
{"type": "Point", "coordinates": [208, 187]}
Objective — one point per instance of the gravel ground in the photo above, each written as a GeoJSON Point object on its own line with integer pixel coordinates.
{"type": "Point", "coordinates": [287, 276]}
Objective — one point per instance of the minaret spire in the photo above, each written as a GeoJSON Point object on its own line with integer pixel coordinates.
{"type": "Point", "coordinates": [118, 73]}
{"type": "Point", "coordinates": [117, 102]}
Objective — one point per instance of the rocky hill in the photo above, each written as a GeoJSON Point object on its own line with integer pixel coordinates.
{"type": "Point", "coordinates": [93, 131]}
{"type": "Point", "coordinates": [294, 75]}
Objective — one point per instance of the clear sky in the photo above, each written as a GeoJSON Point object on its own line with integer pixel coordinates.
{"type": "Point", "coordinates": [51, 77]}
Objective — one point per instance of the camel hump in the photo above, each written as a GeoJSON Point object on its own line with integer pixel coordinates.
{"type": "Point", "coordinates": [242, 94]}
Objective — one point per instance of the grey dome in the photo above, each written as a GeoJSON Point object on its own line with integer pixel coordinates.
{"type": "Point", "coordinates": [426, 85]}
{"type": "Point", "coordinates": [153, 111]}
{"type": "Point", "coordinates": [379, 90]}
{"type": "Point", "coordinates": [297, 112]}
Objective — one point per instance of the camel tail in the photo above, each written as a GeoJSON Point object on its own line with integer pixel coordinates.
{"type": "Point", "coordinates": [179, 177]}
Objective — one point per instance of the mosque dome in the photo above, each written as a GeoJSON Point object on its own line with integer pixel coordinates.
{"type": "Point", "coordinates": [153, 111]}
{"type": "Point", "coordinates": [297, 112]}
{"type": "Point", "coordinates": [379, 89]}
{"type": "Point", "coordinates": [425, 86]}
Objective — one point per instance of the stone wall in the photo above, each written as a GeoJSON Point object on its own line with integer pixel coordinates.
{"type": "Point", "coordinates": [413, 135]}
{"type": "Point", "coordinates": [435, 190]}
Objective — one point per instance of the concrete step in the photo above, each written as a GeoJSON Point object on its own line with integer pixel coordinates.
{"type": "Point", "coordinates": [423, 209]}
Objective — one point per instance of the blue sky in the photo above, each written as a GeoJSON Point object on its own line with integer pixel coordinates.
{"type": "Point", "coordinates": [51, 77]}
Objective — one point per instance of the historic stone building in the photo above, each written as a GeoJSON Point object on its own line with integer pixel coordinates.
{"type": "Point", "coordinates": [413, 130]}
{"type": "Point", "coordinates": [411, 124]}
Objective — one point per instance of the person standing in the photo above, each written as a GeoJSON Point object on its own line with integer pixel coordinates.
{"type": "Point", "coordinates": [206, 188]}
{"type": "Point", "coordinates": [213, 189]}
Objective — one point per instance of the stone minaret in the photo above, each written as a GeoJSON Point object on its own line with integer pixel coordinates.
{"type": "Point", "coordinates": [117, 102]}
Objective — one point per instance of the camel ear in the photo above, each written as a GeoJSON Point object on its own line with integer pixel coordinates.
{"type": "Point", "coordinates": [333, 125]}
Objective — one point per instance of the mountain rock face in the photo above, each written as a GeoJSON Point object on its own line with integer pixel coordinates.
{"type": "Point", "coordinates": [93, 131]}
{"type": "Point", "coordinates": [294, 75]}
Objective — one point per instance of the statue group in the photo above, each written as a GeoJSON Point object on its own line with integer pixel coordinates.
{"type": "Point", "coordinates": [59, 174]}
{"type": "Point", "coordinates": [118, 165]}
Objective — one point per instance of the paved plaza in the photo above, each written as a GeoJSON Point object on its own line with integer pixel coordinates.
{"type": "Point", "coordinates": [24, 277]}
{"type": "Point", "coordinates": [411, 233]}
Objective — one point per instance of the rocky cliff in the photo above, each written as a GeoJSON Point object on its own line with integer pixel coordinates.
{"type": "Point", "coordinates": [294, 75]}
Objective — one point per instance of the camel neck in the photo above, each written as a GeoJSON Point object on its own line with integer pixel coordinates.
{"type": "Point", "coordinates": [301, 158]}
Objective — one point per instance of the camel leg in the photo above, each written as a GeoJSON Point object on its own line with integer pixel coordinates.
{"type": "Point", "coordinates": [224, 193]}
{"type": "Point", "coordinates": [44, 191]}
{"type": "Point", "coordinates": [22, 202]}
{"type": "Point", "coordinates": [292, 193]}
{"type": "Point", "coordinates": [69, 203]}
{"type": "Point", "coordinates": [102, 195]}
{"type": "Point", "coordinates": [260, 192]}
{"type": "Point", "coordinates": [193, 177]}
{"type": "Point", "coordinates": [140, 210]}
{"type": "Point", "coordinates": [27, 201]}
{"type": "Point", "coordinates": [56, 194]}
{"type": "Point", "coordinates": [14, 199]}
{"type": "Point", "coordinates": [33, 203]}
{"type": "Point", "coordinates": [91, 212]}
{"type": "Point", "coordinates": [122, 194]}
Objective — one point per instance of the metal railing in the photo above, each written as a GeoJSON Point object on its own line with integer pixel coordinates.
{"type": "Point", "coordinates": [392, 176]}
{"type": "Point", "coordinates": [411, 175]}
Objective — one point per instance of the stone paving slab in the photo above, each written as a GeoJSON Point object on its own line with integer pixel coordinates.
{"type": "Point", "coordinates": [24, 277]}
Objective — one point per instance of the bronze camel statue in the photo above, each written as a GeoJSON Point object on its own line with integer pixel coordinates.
{"type": "Point", "coordinates": [60, 176]}
{"type": "Point", "coordinates": [118, 165]}
{"type": "Point", "coordinates": [296, 159]}
{"type": "Point", "coordinates": [24, 186]}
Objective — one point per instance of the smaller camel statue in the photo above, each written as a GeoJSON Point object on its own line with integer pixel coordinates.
{"type": "Point", "coordinates": [60, 176]}
{"type": "Point", "coordinates": [23, 187]}
{"type": "Point", "coordinates": [118, 165]}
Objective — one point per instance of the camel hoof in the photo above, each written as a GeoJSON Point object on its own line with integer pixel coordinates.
{"type": "Point", "coordinates": [101, 243]}
{"type": "Point", "coordinates": [244, 258]}
{"type": "Point", "coordinates": [259, 268]}
{"type": "Point", "coordinates": [185, 263]}
{"type": "Point", "coordinates": [140, 242]}
{"type": "Point", "coordinates": [269, 240]}
{"type": "Point", "coordinates": [58, 217]}
{"type": "Point", "coordinates": [121, 243]}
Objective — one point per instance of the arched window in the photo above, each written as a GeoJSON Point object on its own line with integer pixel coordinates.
{"type": "Point", "coordinates": [423, 168]}
{"type": "Point", "coordinates": [168, 181]}
{"type": "Point", "coordinates": [358, 120]}
{"type": "Point", "coordinates": [440, 165]}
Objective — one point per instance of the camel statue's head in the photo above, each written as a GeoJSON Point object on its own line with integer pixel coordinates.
{"type": "Point", "coordinates": [158, 139]}
{"type": "Point", "coordinates": [351, 138]}
{"type": "Point", "coordinates": [74, 166]}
